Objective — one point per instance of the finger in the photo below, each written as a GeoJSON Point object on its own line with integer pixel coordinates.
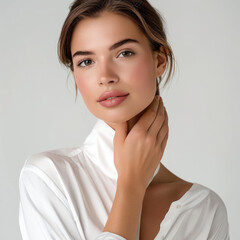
{"type": "Point", "coordinates": [164, 129]}
{"type": "Point", "coordinates": [120, 133]}
{"type": "Point", "coordinates": [166, 116]}
{"type": "Point", "coordinates": [164, 142]}
{"type": "Point", "coordinates": [148, 116]}
{"type": "Point", "coordinates": [158, 121]}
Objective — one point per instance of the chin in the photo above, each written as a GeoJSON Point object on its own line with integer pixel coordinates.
{"type": "Point", "coordinates": [119, 118]}
{"type": "Point", "coordinates": [131, 113]}
{"type": "Point", "coordinates": [115, 119]}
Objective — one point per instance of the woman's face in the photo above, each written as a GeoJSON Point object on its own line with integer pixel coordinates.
{"type": "Point", "coordinates": [101, 66]}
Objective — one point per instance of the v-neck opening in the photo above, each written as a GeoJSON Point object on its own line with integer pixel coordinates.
{"type": "Point", "coordinates": [176, 203]}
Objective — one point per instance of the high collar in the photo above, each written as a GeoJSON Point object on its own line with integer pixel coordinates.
{"type": "Point", "coordinates": [99, 148]}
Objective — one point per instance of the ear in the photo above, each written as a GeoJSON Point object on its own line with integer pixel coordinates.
{"type": "Point", "coordinates": [160, 61]}
{"type": "Point", "coordinates": [72, 67]}
{"type": "Point", "coordinates": [72, 71]}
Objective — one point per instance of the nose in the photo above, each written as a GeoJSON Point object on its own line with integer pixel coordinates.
{"type": "Point", "coordinates": [107, 74]}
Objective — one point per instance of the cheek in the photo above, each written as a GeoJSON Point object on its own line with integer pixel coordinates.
{"type": "Point", "coordinates": [84, 88]}
{"type": "Point", "coordinates": [141, 76]}
{"type": "Point", "coordinates": [81, 85]}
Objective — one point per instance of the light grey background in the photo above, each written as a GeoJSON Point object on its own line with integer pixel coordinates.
{"type": "Point", "coordinates": [38, 111]}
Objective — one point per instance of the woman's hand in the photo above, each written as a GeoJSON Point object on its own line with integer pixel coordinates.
{"type": "Point", "coordinates": [138, 153]}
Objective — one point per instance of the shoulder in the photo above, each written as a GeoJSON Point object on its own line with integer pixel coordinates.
{"type": "Point", "coordinates": [198, 193]}
{"type": "Point", "coordinates": [46, 203]}
{"type": "Point", "coordinates": [210, 196]}
{"type": "Point", "coordinates": [54, 155]}
{"type": "Point", "coordinates": [211, 208]}
{"type": "Point", "coordinates": [204, 207]}
{"type": "Point", "coordinates": [50, 166]}
{"type": "Point", "coordinates": [46, 160]}
{"type": "Point", "coordinates": [216, 212]}
{"type": "Point", "coordinates": [195, 196]}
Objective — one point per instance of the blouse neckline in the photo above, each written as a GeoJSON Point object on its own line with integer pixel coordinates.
{"type": "Point", "coordinates": [98, 147]}
{"type": "Point", "coordinates": [178, 204]}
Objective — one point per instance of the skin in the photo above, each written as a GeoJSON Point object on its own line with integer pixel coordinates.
{"type": "Point", "coordinates": [132, 72]}
{"type": "Point", "coordinates": [107, 70]}
{"type": "Point", "coordinates": [140, 123]}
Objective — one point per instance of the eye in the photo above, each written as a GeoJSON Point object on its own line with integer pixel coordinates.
{"type": "Point", "coordinates": [85, 63]}
{"type": "Point", "coordinates": [126, 53]}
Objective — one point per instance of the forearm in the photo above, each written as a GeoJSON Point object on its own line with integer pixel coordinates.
{"type": "Point", "coordinates": [124, 216]}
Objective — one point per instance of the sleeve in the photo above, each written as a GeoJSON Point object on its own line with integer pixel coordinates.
{"type": "Point", "coordinates": [43, 209]}
{"type": "Point", "coordinates": [44, 212]}
{"type": "Point", "coordinates": [109, 236]}
{"type": "Point", "coordinates": [220, 226]}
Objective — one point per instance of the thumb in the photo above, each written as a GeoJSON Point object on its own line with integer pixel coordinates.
{"type": "Point", "coordinates": [120, 133]}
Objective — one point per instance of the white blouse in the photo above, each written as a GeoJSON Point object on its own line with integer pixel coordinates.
{"type": "Point", "coordinates": [67, 194]}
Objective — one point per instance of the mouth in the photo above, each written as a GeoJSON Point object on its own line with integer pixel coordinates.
{"type": "Point", "coordinates": [111, 95]}
{"type": "Point", "coordinates": [113, 101]}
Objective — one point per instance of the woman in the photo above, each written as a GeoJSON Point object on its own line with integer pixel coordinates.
{"type": "Point", "coordinates": [114, 186]}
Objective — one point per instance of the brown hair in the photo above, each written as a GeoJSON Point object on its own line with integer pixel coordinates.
{"type": "Point", "coordinates": [141, 12]}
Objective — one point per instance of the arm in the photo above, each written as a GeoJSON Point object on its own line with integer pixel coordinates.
{"type": "Point", "coordinates": [125, 212]}
{"type": "Point", "coordinates": [136, 156]}
{"type": "Point", "coordinates": [220, 226]}
{"type": "Point", "coordinates": [43, 210]}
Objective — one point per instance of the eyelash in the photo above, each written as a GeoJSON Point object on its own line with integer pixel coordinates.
{"type": "Point", "coordinates": [126, 51]}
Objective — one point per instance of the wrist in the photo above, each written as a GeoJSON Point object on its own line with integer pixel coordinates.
{"type": "Point", "coordinates": [131, 188]}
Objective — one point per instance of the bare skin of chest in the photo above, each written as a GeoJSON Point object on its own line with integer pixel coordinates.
{"type": "Point", "coordinates": [156, 204]}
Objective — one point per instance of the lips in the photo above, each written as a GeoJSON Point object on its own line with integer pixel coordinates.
{"type": "Point", "coordinates": [114, 93]}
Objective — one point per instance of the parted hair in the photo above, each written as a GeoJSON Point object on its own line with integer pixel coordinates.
{"type": "Point", "coordinates": [144, 15]}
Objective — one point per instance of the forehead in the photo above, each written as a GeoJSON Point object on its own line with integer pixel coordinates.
{"type": "Point", "coordinates": [102, 31]}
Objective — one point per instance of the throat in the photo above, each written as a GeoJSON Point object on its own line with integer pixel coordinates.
{"type": "Point", "coordinates": [165, 176]}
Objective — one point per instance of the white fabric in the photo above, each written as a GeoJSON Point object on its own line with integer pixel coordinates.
{"type": "Point", "coordinates": [68, 194]}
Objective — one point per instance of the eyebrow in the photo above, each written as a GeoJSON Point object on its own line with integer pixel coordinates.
{"type": "Point", "coordinates": [114, 46]}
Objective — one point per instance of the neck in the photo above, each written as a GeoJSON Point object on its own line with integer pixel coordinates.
{"type": "Point", "coordinates": [130, 123]}
{"type": "Point", "coordinates": [133, 121]}
{"type": "Point", "coordinates": [163, 175]}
